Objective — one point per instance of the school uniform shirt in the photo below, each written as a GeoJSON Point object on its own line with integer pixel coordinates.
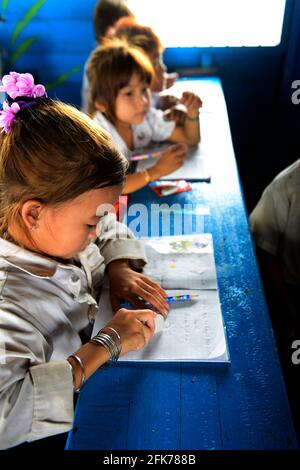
{"type": "Point", "coordinates": [275, 221]}
{"type": "Point", "coordinates": [153, 128]}
{"type": "Point", "coordinates": [43, 306]}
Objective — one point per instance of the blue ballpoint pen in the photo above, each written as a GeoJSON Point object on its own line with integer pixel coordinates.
{"type": "Point", "coordinates": [181, 298]}
{"type": "Point", "coordinates": [170, 299]}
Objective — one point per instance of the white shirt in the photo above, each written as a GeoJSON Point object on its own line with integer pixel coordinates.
{"type": "Point", "coordinates": [43, 306]}
{"type": "Point", "coordinates": [153, 128]}
{"type": "Point", "coordinates": [275, 221]}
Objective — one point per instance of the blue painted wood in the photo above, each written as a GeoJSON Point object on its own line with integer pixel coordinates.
{"type": "Point", "coordinates": [71, 36]}
{"type": "Point", "coordinates": [51, 9]}
{"type": "Point", "coordinates": [201, 406]}
{"type": "Point", "coordinates": [56, 40]}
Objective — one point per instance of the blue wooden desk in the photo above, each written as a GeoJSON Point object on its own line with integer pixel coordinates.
{"type": "Point", "coordinates": [242, 405]}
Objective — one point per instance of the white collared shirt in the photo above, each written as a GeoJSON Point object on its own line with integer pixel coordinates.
{"type": "Point", "coordinates": [275, 221]}
{"type": "Point", "coordinates": [153, 128]}
{"type": "Point", "coordinates": [43, 306]}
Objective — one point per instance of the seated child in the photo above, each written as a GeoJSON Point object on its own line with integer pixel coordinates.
{"type": "Point", "coordinates": [144, 37]}
{"type": "Point", "coordinates": [275, 224]}
{"type": "Point", "coordinates": [106, 14]}
{"type": "Point", "coordinates": [120, 77]}
{"type": "Point", "coordinates": [59, 173]}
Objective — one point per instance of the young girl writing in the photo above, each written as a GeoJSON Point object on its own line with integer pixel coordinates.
{"type": "Point", "coordinates": [120, 77]}
{"type": "Point", "coordinates": [58, 172]}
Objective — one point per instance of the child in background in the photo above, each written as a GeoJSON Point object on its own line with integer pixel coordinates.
{"type": "Point", "coordinates": [144, 37]}
{"type": "Point", "coordinates": [106, 14]}
{"type": "Point", "coordinates": [59, 172]}
{"type": "Point", "coordinates": [120, 77]}
{"type": "Point", "coordinates": [275, 223]}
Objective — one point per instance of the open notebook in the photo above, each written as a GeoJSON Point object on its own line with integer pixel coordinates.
{"type": "Point", "coordinates": [193, 330]}
{"type": "Point", "coordinates": [194, 168]}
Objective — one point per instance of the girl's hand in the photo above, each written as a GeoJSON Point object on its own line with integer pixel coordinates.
{"type": "Point", "coordinates": [191, 101]}
{"type": "Point", "coordinates": [135, 327]}
{"type": "Point", "coordinates": [177, 114]}
{"type": "Point", "coordinates": [126, 284]}
{"type": "Point", "coordinates": [171, 159]}
{"type": "Point", "coordinates": [166, 101]}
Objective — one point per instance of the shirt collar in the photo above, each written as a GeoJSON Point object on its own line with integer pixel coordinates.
{"type": "Point", "coordinates": [32, 263]}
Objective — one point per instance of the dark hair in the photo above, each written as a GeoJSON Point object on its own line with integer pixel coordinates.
{"type": "Point", "coordinates": [106, 13]}
{"type": "Point", "coordinates": [138, 35]}
{"type": "Point", "coordinates": [53, 153]}
{"type": "Point", "coordinates": [110, 68]}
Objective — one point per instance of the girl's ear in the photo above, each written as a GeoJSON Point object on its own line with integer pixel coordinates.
{"type": "Point", "coordinates": [30, 213]}
{"type": "Point", "coordinates": [100, 106]}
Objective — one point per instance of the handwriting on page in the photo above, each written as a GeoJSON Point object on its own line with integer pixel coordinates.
{"type": "Point", "coordinates": [193, 330]}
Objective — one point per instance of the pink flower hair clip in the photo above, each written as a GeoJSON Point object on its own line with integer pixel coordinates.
{"type": "Point", "coordinates": [17, 85]}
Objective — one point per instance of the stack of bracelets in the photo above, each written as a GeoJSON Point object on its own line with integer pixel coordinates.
{"type": "Point", "coordinates": [113, 347]}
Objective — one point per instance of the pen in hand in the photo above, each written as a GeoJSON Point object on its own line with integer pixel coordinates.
{"type": "Point", "coordinates": [159, 319]}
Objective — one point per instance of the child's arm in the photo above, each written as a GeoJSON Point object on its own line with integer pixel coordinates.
{"type": "Point", "coordinates": [134, 329]}
{"type": "Point", "coordinates": [189, 133]}
{"type": "Point", "coordinates": [177, 114]}
{"type": "Point", "coordinates": [126, 284]}
{"type": "Point", "coordinates": [171, 159]}
{"type": "Point", "coordinates": [166, 101]}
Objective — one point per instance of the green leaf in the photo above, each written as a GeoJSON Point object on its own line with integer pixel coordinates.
{"type": "Point", "coordinates": [31, 13]}
{"type": "Point", "coordinates": [4, 4]}
{"type": "Point", "coordinates": [22, 48]}
{"type": "Point", "coordinates": [62, 78]}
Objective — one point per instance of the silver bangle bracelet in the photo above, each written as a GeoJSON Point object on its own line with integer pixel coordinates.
{"type": "Point", "coordinates": [73, 372]}
{"type": "Point", "coordinates": [79, 361]}
{"type": "Point", "coordinates": [108, 343]}
{"type": "Point", "coordinates": [102, 342]}
{"type": "Point", "coordinates": [115, 331]}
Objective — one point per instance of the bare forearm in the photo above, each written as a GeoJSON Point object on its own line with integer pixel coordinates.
{"type": "Point", "coordinates": [139, 180]}
{"type": "Point", "coordinates": [191, 129]}
{"type": "Point", "coordinates": [189, 133]}
{"type": "Point", "coordinates": [93, 357]}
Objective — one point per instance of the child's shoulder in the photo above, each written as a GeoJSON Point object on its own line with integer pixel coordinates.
{"type": "Point", "coordinates": [289, 177]}
{"type": "Point", "coordinates": [102, 121]}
